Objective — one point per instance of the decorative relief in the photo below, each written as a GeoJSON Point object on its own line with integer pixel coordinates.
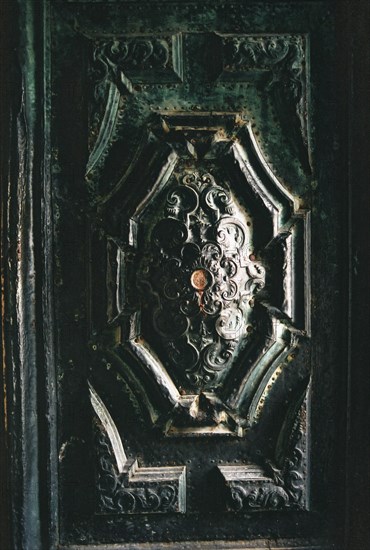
{"type": "Point", "coordinates": [136, 53]}
{"type": "Point", "coordinates": [203, 276]}
{"type": "Point", "coordinates": [104, 124]}
{"type": "Point", "coordinates": [270, 487]}
{"type": "Point", "coordinates": [120, 66]}
{"type": "Point", "coordinates": [122, 487]}
{"type": "Point", "coordinates": [277, 64]}
{"type": "Point", "coordinates": [207, 325]}
{"type": "Point", "coordinates": [136, 490]}
{"type": "Point", "coordinates": [285, 57]}
{"type": "Point", "coordinates": [245, 53]}
{"type": "Point", "coordinates": [140, 59]}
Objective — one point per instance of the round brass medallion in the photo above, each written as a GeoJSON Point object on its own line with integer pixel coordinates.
{"type": "Point", "coordinates": [200, 279]}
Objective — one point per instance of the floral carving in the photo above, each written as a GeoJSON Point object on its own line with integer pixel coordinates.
{"type": "Point", "coordinates": [203, 278]}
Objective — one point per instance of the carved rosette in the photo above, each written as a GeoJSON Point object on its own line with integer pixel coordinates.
{"type": "Point", "coordinates": [203, 279]}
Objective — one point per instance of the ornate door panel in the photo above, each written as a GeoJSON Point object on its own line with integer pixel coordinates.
{"type": "Point", "coordinates": [195, 270]}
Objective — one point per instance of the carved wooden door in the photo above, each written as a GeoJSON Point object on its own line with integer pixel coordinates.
{"type": "Point", "coordinates": [194, 271]}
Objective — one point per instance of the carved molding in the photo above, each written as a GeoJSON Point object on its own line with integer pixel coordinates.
{"type": "Point", "coordinates": [272, 487]}
{"type": "Point", "coordinates": [191, 293]}
{"type": "Point", "coordinates": [145, 59]}
{"type": "Point", "coordinates": [122, 487]}
{"type": "Point", "coordinates": [258, 52]}
{"type": "Point", "coordinates": [106, 129]}
{"type": "Point", "coordinates": [285, 57]}
{"type": "Point", "coordinates": [118, 66]}
{"type": "Point", "coordinates": [136, 54]}
{"type": "Point", "coordinates": [276, 63]}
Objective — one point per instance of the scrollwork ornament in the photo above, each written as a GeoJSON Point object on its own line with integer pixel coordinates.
{"type": "Point", "coordinates": [265, 496]}
{"type": "Point", "coordinates": [255, 52]}
{"type": "Point", "coordinates": [201, 278]}
{"type": "Point", "coordinates": [285, 59]}
{"type": "Point", "coordinates": [116, 494]}
{"type": "Point", "coordinates": [132, 55]}
{"type": "Point", "coordinates": [282, 487]}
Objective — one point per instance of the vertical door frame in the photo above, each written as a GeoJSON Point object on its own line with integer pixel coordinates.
{"type": "Point", "coordinates": [355, 18]}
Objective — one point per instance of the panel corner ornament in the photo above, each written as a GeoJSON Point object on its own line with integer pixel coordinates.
{"type": "Point", "coordinates": [123, 487]}
{"type": "Point", "coordinates": [270, 487]}
{"type": "Point", "coordinates": [203, 276]}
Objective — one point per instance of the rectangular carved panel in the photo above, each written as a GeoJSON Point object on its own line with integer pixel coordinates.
{"type": "Point", "coordinates": [189, 316]}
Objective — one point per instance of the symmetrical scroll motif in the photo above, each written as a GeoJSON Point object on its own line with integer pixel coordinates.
{"type": "Point", "coordinates": [203, 278]}
{"type": "Point", "coordinates": [244, 53]}
{"type": "Point", "coordinates": [140, 59]}
{"type": "Point", "coordinates": [211, 302]}
{"type": "Point", "coordinates": [135, 54]}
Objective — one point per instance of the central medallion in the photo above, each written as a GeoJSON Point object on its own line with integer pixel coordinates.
{"type": "Point", "coordinates": [204, 238]}
{"type": "Point", "coordinates": [200, 279]}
